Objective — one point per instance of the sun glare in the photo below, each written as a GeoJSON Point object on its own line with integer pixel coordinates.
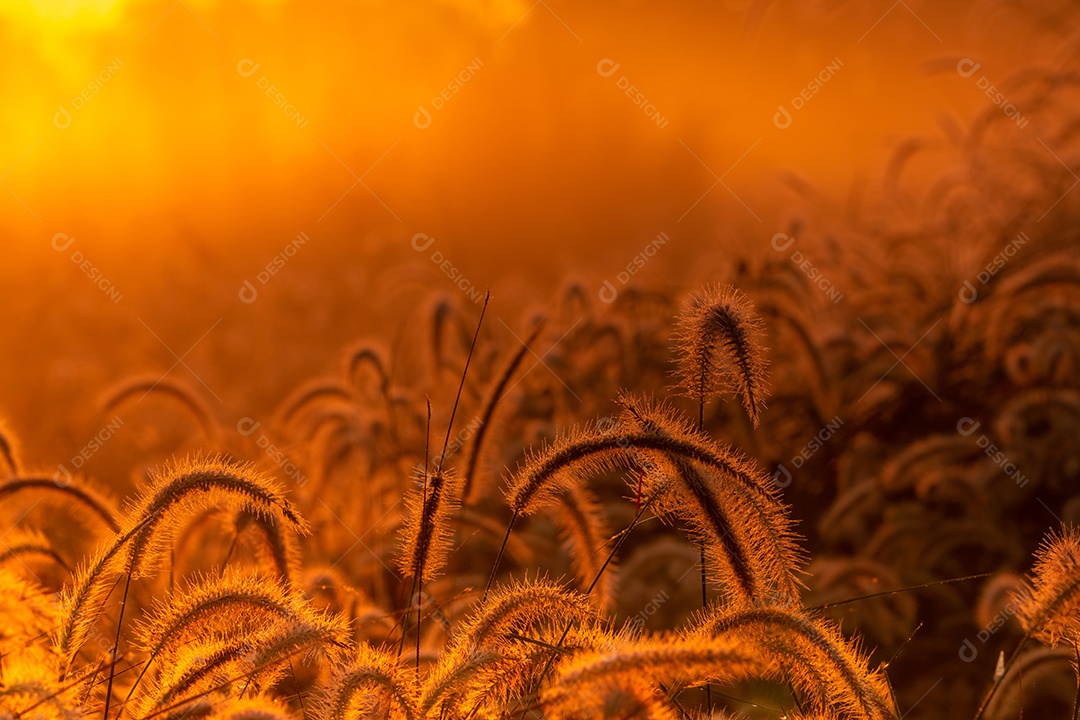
{"type": "Point", "coordinates": [70, 9]}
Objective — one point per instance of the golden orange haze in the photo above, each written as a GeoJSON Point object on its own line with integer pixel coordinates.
{"type": "Point", "coordinates": [181, 145]}
{"type": "Point", "coordinates": [174, 145]}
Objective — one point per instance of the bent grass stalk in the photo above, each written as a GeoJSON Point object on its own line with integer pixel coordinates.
{"type": "Point", "coordinates": [497, 393]}
{"type": "Point", "coordinates": [509, 650]}
{"type": "Point", "coordinates": [7, 450]}
{"type": "Point", "coordinates": [711, 507]}
{"type": "Point", "coordinates": [607, 561]}
{"type": "Point", "coordinates": [177, 619]}
{"type": "Point", "coordinates": [19, 543]}
{"type": "Point", "coordinates": [814, 653]}
{"type": "Point", "coordinates": [1048, 613]}
{"type": "Point", "coordinates": [83, 495]}
{"type": "Point", "coordinates": [717, 338]}
{"type": "Point", "coordinates": [192, 483]}
{"type": "Point", "coordinates": [195, 406]}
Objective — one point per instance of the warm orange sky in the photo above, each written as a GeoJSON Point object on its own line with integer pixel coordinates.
{"type": "Point", "coordinates": [165, 132]}
{"type": "Point", "coordinates": [143, 132]}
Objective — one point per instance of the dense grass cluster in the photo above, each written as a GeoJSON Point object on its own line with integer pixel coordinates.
{"type": "Point", "coordinates": [229, 639]}
{"type": "Point", "coordinates": [746, 500]}
{"type": "Point", "coordinates": [405, 578]}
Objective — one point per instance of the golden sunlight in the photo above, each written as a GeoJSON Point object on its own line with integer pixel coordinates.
{"type": "Point", "coordinates": [67, 9]}
{"type": "Point", "coordinates": [503, 359]}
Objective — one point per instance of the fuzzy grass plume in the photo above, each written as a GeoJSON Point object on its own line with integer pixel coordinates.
{"type": "Point", "coordinates": [1051, 612]}
{"type": "Point", "coordinates": [718, 339]}
{"type": "Point", "coordinates": [173, 495]}
{"type": "Point", "coordinates": [427, 535]}
{"type": "Point", "coordinates": [828, 669]}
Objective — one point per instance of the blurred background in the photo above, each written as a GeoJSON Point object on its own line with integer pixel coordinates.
{"type": "Point", "coordinates": [205, 206]}
{"type": "Point", "coordinates": [182, 146]}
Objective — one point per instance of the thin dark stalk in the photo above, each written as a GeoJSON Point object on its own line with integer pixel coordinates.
{"type": "Point", "coordinates": [675, 701]}
{"type": "Point", "coordinates": [498, 558]}
{"type": "Point", "coordinates": [701, 545]}
{"type": "Point", "coordinates": [461, 386]}
{"type": "Point", "coordinates": [885, 666]}
{"type": "Point", "coordinates": [497, 394]}
{"type": "Point", "coordinates": [131, 690]}
{"type": "Point", "coordinates": [902, 646]}
{"type": "Point", "coordinates": [415, 580]}
{"type": "Point", "coordinates": [296, 689]}
{"type": "Point", "coordinates": [618, 543]}
{"type": "Point", "coordinates": [897, 591]}
{"type": "Point", "coordinates": [90, 685]}
{"type": "Point", "coordinates": [224, 684]}
{"type": "Point", "coordinates": [705, 604]}
{"type": "Point", "coordinates": [418, 580]}
{"type": "Point", "coordinates": [778, 711]}
{"type": "Point", "coordinates": [228, 555]}
{"type": "Point", "coordinates": [72, 686]}
{"type": "Point", "coordinates": [405, 622]}
{"type": "Point", "coordinates": [418, 575]}
{"type": "Point", "coordinates": [540, 643]}
{"type": "Point", "coordinates": [997, 681]}
{"type": "Point", "coordinates": [116, 645]}
{"type": "Point", "coordinates": [103, 602]}
{"type": "Point", "coordinates": [424, 527]}
{"type": "Point", "coordinates": [607, 561]}
{"type": "Point", "coordinates": [402, 620]}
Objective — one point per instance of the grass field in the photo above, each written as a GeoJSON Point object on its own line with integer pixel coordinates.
{"type": "Point", "coordinates": [537, 448]}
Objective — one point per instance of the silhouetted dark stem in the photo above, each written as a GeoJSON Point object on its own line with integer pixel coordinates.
{"type": "Point", "coordinates": [450, 425]}
{"type": "Point", "coordinates": [607, 561]}
{"type": "Point", "coordinates": [825, 606]}
{"type": "Point", "coordinates": [223, 684]}
{"type": "Point", "coordinates": [701, 545]}
{"type": "Point", "coordinates": [228, 555]}
{"type": "Point", "coordinates": [704, 604]}
{"type": "Point", "coordinates": [296, 689]}
{"type": "Point", "coordinates": [418, 580]}
{"type": "Point", "coordinates": [701, 406]}
{"type": "Point", "coordinates": [116, 644]}
{"type": "Point", "coordinates": [497, 394]}
{"type": "Point", "coordinates": [498, 558]}
{"type": "Point", "coordinates": [405, 620]}
{"type": "Point", "coordinates": [69, 687]}
{"type": "Point", "coordinates": [418, 576]}
{"type": "Point", "coordinates": [1008, 664]}
{"type": "Point", "coordinates": [675, 701]}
